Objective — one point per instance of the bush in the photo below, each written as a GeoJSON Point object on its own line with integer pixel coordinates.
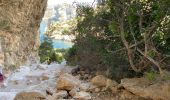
{"type": "Point", "coordinates": [151, 75]}
{"type": "Point", "coordinates": [70, 56]}
{"type": "Point", "coordinates": [48, 54]}
{"type": "Point", "coordinates": [114, 36]}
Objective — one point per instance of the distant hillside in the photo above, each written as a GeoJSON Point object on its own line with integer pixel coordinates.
{"type": "Point", "coordinates": [60, 12]}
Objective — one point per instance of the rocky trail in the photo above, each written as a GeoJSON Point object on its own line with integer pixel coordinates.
{"type": "Point", "coordinates": [61, 82]}
{"type": "Point", "coordinates": [37, 77]}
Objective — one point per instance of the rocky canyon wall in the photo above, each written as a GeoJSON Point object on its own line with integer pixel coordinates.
{"type": "Point", "coordinates": [19, 30]}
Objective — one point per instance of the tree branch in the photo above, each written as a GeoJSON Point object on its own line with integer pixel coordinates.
{"type": "Point", "coordinates": [151, 60]}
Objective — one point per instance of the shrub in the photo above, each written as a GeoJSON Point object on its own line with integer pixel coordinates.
{"type": "Point", "coordinates": [70, 56]}
{"type": "Point", "coordinates": [151, 75]}
{"type": "Point", "coordinates": [5, 25]}
{"type": "Point", "coordinates": [116, 34]}
{"type": "Point", "coordinates": [48, 53]}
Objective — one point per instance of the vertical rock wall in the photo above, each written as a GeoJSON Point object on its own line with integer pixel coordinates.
{"type": "Point", "coordinates": [19, 30]}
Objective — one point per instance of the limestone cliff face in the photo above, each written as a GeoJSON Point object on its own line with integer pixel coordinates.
{"type": "Point", "coordinates": [19, 30]}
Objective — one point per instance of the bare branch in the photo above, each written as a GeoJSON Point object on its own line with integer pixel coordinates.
{"type": "Point", "coordinates": [122, 35]}
{"type": "Point", "coordinates": [151, 60]}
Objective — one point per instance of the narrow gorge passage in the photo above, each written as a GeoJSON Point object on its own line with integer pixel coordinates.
{"type": "Point", "coordinates": [84, 50]}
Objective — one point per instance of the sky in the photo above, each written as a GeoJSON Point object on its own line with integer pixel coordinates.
{"type": "Point", "coordinates": [54, 2]}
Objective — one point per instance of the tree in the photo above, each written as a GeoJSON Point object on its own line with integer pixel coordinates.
{"type": "Point", "coordinates": [137, 22]}
{"type": "Point", "coordinates": [133, 30]}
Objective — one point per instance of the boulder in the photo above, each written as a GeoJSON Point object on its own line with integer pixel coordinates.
{"type": "Point", "coordinates": [85, 87]}
{"type": "Point", "coordinates": [126, 95]}
{"type": "Point", "coordinates": [29, 96]}
{"type": "Point", "coordinates": [50, 91]}
{"type": "Point", "coordinates": [142, 87]}
{"type": "Point", "coordinates": [49, 97]}
{"type": "Point", "coordinates": [67, 82]}
{"type": "Point", "coordinates": [99, 81]}
{"type": "Point", "coordinates": [75, 70]}
{"type": "Point", "coordinates": [73, 92]}
{"type": "Point", "coordinates": [92, 88]}
{"type": "Point", "coordinates": [97, 90]}
{"type": "Point", "coordinates": [60, 95]}
{"type": "Point", "coordinates": [82, 96]}
{"type": "Point", "coordinates": [114, 89]}
{"type": "Point", "coordinates": [111, 83]}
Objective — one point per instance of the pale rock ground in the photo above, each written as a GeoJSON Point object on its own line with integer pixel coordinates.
{"type": "Point", "coordinates": [37, 77]}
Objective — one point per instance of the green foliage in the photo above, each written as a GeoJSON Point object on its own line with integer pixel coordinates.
{"type": "Point", "coordinates": [92, 49]}
{"type": "Point", "coordinates": [98, 41]}
{"type": "Point", "coordinates": [151, 76]}
{"type": "Point", "coordinates": [4, 25]}
{"type": "Point", "coordinates": [47, 53]}
{"type": "Point", "coordinates": [70, 56]}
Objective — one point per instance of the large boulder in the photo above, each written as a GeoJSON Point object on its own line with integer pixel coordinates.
{"type": "Point", "coordinates": [29, 96]}
{"type": "Point", "coordinates": [67, 82]}
{"type": "Point", "coordinates": [102, 81]}
{"type": "Point", "coordinates": [99, 81]}
{"type": "Point", "coordinates": [142, 87]}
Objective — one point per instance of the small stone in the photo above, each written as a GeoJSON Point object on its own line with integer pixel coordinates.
{"type": "Point", "coordinates": [61, 95]}
{"type": "Point", "coordinates": [85, 87]}
{"type": "Point", "coordinates": [44, 77]}
{"type": "Point", "coordinates": [73, 92]}
{"type": "Point", "coordinates": [92, 88]}
{"type": "Point", "coordinates": [111, 83]}
{"type": "Point", "coordinates": [29, 96]}
{"type": "Point", "coordinates": [49, 97]}
{"type": "Point", "coordinates": [103, 89]}
{"type": "Point", "coordinates": [29, 82]}
{"type": "Point", "coordinates": [86, 76]}
{"type": "Point", "coordinates": [114, 89]}
{"type": "Point", "coordinates": [41, 67]}
{"type": "Point", "coordinates": [97, 90]}
{"type": "Point", "coordinates": [15, 82]}
{"type": "Point", "coordinates": [50, 91]}
{"type": "Point", "coordinates": [82, 96]}
{"type": "Point", "coordinates": [78, 76]}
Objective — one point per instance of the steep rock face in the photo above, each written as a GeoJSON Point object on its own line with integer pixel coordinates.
{"type": "Point", "coordinates": [19, 30]}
